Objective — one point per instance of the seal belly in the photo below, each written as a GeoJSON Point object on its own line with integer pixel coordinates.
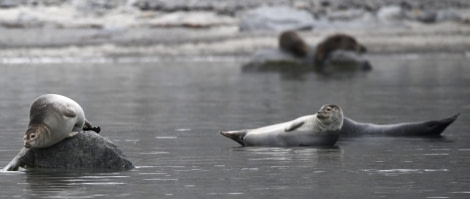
{"type": "Point", "coordinates": [266, 136]}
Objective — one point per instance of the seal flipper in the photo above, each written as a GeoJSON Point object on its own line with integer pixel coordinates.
{"type": "Point", "coordinates": [14, 164]}
{"type": "Point", "coordinates": [294, 126]}
{"type": "Point", "coordinates": [89, 127]}
{"type": "Point", "coordinates": [67, 110]}
{"type": "Point", "coordinates": [237, 136]}
{"type": "Point", "coordinates": [440, 125]}
{"type": "Point", "coordinates": [73, 133]}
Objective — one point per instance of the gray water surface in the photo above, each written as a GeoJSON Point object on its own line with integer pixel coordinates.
{"type": "Point", "coordinates": [166, 115]}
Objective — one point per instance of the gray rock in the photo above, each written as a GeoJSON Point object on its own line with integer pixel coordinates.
{"type": "Point", "coordinates": [276, 60]}
{"type": "Point", "coordinates": [275, 18]}
{"type": "Point", "coordinates": [447, 15]}
{"type": "Point", "coordinates": [433, 16]}
{"type": "Point", "coordinates": [86, 150]}
{"type": "Point", "coordinates": [346, 61]}
{"type": "Point", "coordinates": [8, 3]}
{"type": "Point", "coordinates": [390, 13]}
{"type": "Point", "coordinates": [346, 15]}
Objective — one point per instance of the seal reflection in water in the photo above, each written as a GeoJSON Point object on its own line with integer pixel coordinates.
{"type": "Point", "coordinates": [53, 118]}
{"type": "Point", "coordinates": [320, 129]}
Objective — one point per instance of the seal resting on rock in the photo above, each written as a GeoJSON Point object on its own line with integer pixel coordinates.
{"type": "Point", "coordinates": [291, 42]}
{"type": "Point", "coordinates": [86, 150]}
{"type": "Point", "coordinates": [320, 129]}
{"type": "Point", "coordinates": [430, 128]}
{"type": "Point", "coordinates": [53, 118]}
{"type": "Point", "coordinates": [339, 48]}
{"type": "Point", "coordinates": [53, 139]}
{"type": "Point", "coordinates": [337, 41]}
{"type": "Point", "coordinates": [337, 53]}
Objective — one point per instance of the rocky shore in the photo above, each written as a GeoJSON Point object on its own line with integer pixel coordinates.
{"type": "Point", "coordinates": [90, 28]}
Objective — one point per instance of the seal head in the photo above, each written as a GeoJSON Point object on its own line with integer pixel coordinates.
{"type": "Point", "coordinates": [330, 117]}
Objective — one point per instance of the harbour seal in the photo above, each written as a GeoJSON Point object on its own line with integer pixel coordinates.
{"type": "Point", "coordinates": [53, 118]}
{"type": "Point", "coordinates": [291, 42]}
{"type": "Point", "coordinates": [430, 128]}
{"type": "Point", "coordinates": [336, 54]}
{"type": "Point", "coordinates": [333, 43]}
{"type": "Point", "coordinates": [320, 129]}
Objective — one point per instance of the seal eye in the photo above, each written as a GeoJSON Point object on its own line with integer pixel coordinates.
{"type": "Point", "coordinates": [32, 136]}
{"type": "Point", "coordinates": [328, 109]}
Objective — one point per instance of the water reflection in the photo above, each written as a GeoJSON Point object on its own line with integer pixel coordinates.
{"type": "Point", "coordinates": [298, 72]}
{"type": "Point", "coordinates": [69, 183]}
{"type": "Point", "coordinates": [165, 116]}
{"type": "Point", "coordinates": [304, 154]}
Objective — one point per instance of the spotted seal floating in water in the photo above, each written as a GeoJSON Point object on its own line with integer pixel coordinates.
{"type": "Point", "coordinates": [351, 128]}
{"type": "Point", "coordinates": [320, 129]}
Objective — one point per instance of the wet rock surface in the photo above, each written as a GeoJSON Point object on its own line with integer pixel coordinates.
{"type": "Point", "coordinates": [86, 150]}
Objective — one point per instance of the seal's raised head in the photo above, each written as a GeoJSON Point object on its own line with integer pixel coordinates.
{"type": "Point", "coordinates": [330, 116]}
{"type": "Point", "coordinates": [35, 137]}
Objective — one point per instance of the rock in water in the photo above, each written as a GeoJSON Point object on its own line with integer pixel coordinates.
{"type": "Point", "coordinates": [86, 150]}
{"type": "Point", "coordinates": [276, 18]}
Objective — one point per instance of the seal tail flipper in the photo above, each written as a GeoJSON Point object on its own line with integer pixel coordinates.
{"type": "Point", "coordinates": [14, 164]}
{"type": "Point", "coordinates": [441, 125]}
{"type": "Point", "coordinates": [89, 127]}
{"type": "Point", "coordinates": [237, 136]}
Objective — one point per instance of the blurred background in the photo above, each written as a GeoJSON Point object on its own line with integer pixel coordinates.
{"type": "Point", "coordinates": [99, 28]}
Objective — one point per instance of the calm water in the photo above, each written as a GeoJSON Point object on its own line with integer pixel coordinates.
{"type": "Point", "coordinates": [166, 115]}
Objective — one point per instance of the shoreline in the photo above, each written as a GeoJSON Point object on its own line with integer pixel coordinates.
{"type": "Point", "coordinates": [145, 28]}
{"type": "Point", "coordinates": [226, 41]}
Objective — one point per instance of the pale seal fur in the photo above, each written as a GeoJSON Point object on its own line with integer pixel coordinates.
{"type": "Point", "coordinates": [53, 118]}
{"type": "Point", "coordinates": [320, 129]}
